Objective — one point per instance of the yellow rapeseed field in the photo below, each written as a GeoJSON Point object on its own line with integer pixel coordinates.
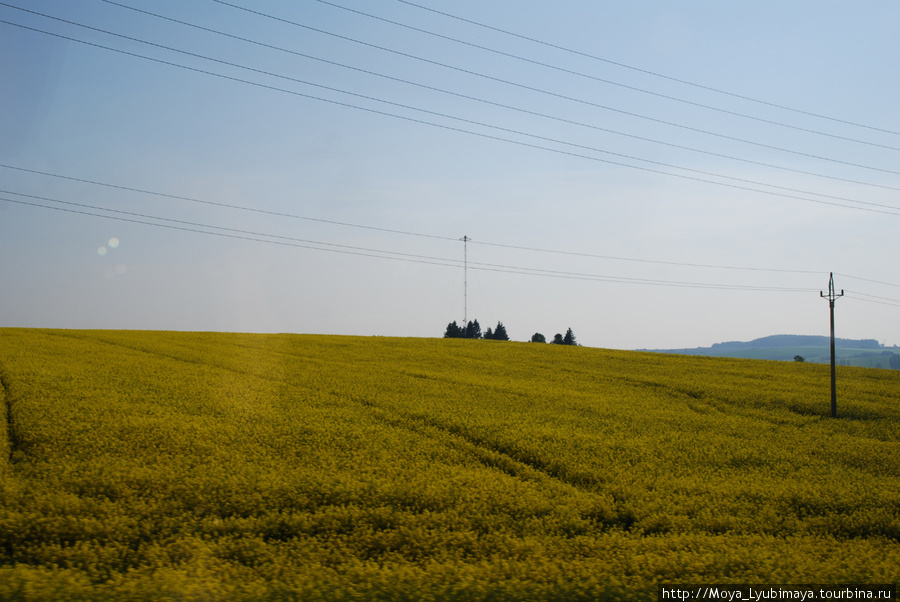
{"type": "Point", "coordinates": [200, 466]}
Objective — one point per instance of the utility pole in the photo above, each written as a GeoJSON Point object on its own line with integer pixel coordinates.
{"type": "Point", "coordinates": [832, 297]}
{"type": "Point", "coordinates": [465, 240]}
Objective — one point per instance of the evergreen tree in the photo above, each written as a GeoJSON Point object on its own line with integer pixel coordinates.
{"type": "Point", "coordinates": [569, 339]}
{"type": "Point", "coordinates": [473, 330]}
{"type": "Point", "coordinates": [500, 332]}
{"type": "Point", "coordinates": [557, 339]}
{"type": "Point", "coordinates": [453, 331]}
{"type": "Point", "coordinates": [488, 334]}
{"type": "Point", "coordinates": [538, 338]}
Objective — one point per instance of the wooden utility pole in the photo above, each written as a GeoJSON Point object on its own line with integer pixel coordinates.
{"type": "Point", "coordinates": [832, 297]}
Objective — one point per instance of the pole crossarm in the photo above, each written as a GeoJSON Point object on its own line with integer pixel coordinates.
{"type": "Point", "coordinates": [831, 296]}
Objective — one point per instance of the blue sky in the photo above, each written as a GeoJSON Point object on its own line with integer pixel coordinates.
{"type": "Point", "coordinates": [617, 191]}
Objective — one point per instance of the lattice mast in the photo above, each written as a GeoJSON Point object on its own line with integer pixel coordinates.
{"type": "Point", "coordinates": [465, 240]}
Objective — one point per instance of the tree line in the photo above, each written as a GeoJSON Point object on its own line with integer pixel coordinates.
{"type": "Point", "coordinates": [472, 330]}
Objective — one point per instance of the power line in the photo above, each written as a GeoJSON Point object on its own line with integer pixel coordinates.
{"type": "Point", "coordinates": [550, 93]}
{"type": "Point", "coordinates": [624, 280]}
{"type": "Point", "coordinates": [222, 228]}
{"type": "Point", "coordinates": [193, 227]}
{"type": "Point", "coordinates": [376, 253]}
{"type": "Point", "coordinates": [416, 234]}
{"type": "Point", "coordinates": [408, 233]}
{"type": "Point", "coordinates": [226, 205]}
{"type": "Point", "coordinates": [432, 236]}
{"type": "Point", "coordinates": [888, 302]}
{"type": "Point", "coordinates": [468, 121]}
{"type": "Point", "coordinates": [447, 127]}
{"type": "Point", "coordinates": [498, 104]}
{"type": "Point", "coordinates": [235, 233]}
{"type": "Point", "coordinates": [876, 297]}
{"type": "Point", "coordinates": [650, 261]}
{"type": "Point", "coordinates": [648, 72]}
{"type": "Point", "coordinates": [869, 280]}
{"type": "Point", "coordinates": [437, 114]}
{"type": "Point", "coordinates": [600, 79]}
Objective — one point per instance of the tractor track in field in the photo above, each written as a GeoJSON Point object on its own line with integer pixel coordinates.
{"type": "Point", "coordinates": [12, 437]}
{"type": "Point", "coordinates": [168, 356]}
{"type": "Point", "coordinates": [508, 460]}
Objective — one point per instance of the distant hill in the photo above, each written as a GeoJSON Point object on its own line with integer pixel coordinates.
{"type": "Point", "coordinates": [797, 340]}
{"type": "Point", "coordinates": [816, 349]}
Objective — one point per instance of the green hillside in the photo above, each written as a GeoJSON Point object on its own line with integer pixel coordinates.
{"type": "Point", "coordinates": [197, 466]}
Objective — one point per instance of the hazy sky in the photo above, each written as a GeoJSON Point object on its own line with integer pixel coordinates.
{"type": "Point", "coordinates": [654, 147]}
